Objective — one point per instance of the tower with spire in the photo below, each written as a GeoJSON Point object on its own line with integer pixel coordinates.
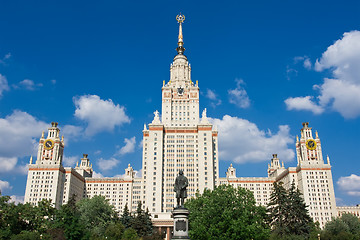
{"type": "Point", "coordinates": [178, 140]}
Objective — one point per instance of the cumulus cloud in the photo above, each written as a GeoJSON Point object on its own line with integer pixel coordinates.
{"type": "Point", "coordinates": [72, 132]}
{"type": "Point", "coordinates": [22, 169]}
{"type": "Point", "coordinates": [129, 146]}
{"type": "Point", "coordinates": [100, 115]}
{"type": "Point", "coordinates": [18, 132]}
{"type": "Point", "coordinates": [350, 185]}
{"type": "Point", "coordinates": [4, 185]}
{"type": "Point", "coordinates": [70, 161]}
{"type": "Point", "coordinates": [238, 96]}
{"type": "Point", "coordinates": [107, 164]}
{"type": "Point", "coordinates": [305, 60]}
{"type": "Point", "coordinates": [17, 199]}
{"type": "Point", "coordinates": [97, 175]}
{"type": "Point", "coordinates": [341, 92]}
{"type": "Point", "coordinates": [4, 86]}
{"type": "Point", "coordinates": [7, 163]}
{"type": "Point", "coordinates": [303, 103]}
{"type": "Point", "coordinates": [215, 101]}
{"type": "Point", "coordinates": [242, 141]}
{"type": "Point", "coordinates": [28, 85]}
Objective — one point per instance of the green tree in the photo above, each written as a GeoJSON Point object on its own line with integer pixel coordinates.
{"type": "Point", "coordinates": [44, 215]}
{"type": "Point", "coordinates": [68, 220]}
{"type": "Point", "coordinates": [130, 234]}
{"type": "Point", "coordinates": [9, 218]}
{"type": "Point", "coordinates": [114, 231]}
{"type": "Point", "coordinates": [336, 229]}
{"type": "Point", "coordinates": [27, 235]}
{"type": "Point", "coordinates": [299, 222]}
{"type": "Point", "coordinates": [15, 219]}
{"type": "Point", "coordinates": [226, 213]}
{"type": "Point", "coordinates": [354, 224]}
{"type": "Point", "coordinates": [96, 214]}
{"type": "Point", "coordinates": [126, 217]}
{"type": "Point", "coordinates": [288, 214]}
{"type": "Point", "coordinates": [278, 210]}
{"type": "Point", "coordinates": [142, 222]}
{"type": "Point", "coordinates": [347, 227]}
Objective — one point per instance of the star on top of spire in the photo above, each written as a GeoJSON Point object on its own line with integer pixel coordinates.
{"type": "Point", "coordinates": [180, 49]}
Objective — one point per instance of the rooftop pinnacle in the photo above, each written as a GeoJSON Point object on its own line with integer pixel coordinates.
{"type": "Point", "coordinates": [180, 49]}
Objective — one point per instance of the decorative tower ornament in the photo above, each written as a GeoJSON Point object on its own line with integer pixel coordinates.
{"type": "Point", "coordinates": [180, 49]}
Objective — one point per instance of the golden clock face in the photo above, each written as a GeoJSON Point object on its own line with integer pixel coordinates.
{"type": "Point", "coordinates": [48, 144]}
{"type": "Point", "coordinates": [311, 144]}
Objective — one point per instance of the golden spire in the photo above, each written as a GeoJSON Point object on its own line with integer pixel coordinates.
{"type": "Point", "coordinates": [180, 49]}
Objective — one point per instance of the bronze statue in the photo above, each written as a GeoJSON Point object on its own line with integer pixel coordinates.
{"type": "Point", "coordinates": [181, 182]}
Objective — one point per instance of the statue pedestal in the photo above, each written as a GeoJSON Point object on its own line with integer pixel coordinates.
{"type": "Point", "coordinates": [181, 223]}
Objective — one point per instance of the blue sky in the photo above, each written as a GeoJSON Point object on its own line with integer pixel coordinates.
{"type": "Point", "coordinates": [263, 69]}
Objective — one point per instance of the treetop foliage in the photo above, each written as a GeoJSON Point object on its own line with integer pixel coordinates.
{"type": "Point", "coordinates": [226, 213]}
{"type": "Point", "coordinates": [92, 218]}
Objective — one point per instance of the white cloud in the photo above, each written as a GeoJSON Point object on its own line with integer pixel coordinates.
{"type": "Point", "coordinates": [307, 63]}
{"type": "Point", "coordinates": [215, 101]}
{"type": "Point", "coordinates": [305, 60]}
{"type": "Point", "coordinates": [100, 115]}
{"type": "Point", "coordinates": [210, 94]}
{"type": "Point", "coordinates": [7, 163]}
{"type": "Point", "coordinates": [3, 85]}
{"type": "Point", "coordinates": [22, 169]}
{"type": "Point", "coordinates": [242, 141]}
{"type": "Point", "coordinates": [97, 175]}
{"type": "Point", "coordinates": [129, 146]}
{"type": "Point", "coordinates": [72, 132]}
{"type": "Point", "coordinates": [350, 184]}
{"type": "Point", "coordinates": [18, 134]}
{"type": "Point", "coordinates": [28, 85]}
{"type": "Point", "coordinates": [97, 152]}
{"type": "Point", "coordinates": [303, 103]}
{"type": "Point", "coordinates": [290, 72]}
{"type": "Point", "coordinates": [106, 164]}
{"type": "Point", "coordinates": [238, 96]}
{"type": "Point", "coordinates": [4, 185]}
{"type": "Point", "coordinates": [17, 199]}
{"type": "Point", "coordinates": [141, 144]}
{"type": "Point", "coordinates": [138, 173]}
{"type": "Point", "coordinates": [341, 92]}
{"type": "Point", "coordinates": [6, 57]}
{"type": "Point", "coordinates": [70, 161]}
{"type": "Point", "coordinates": [342, 96]}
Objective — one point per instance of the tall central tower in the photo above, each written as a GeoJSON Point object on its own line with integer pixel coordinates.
{"type": "Point", "coordinates": [178, 140]}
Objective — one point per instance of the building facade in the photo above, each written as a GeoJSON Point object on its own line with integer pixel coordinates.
{"type": "Point", "coordinates": [178, 140]}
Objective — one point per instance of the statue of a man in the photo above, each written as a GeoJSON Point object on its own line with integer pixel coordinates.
{"type": "Point", "coordinates": [181, 182]}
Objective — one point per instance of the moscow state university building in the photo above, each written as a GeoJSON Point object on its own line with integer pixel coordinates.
{"type": "Point", "coordinates": [178, 139]}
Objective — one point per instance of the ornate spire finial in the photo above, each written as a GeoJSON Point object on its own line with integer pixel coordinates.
{"type": "Point", "coordinates": [180, 49]}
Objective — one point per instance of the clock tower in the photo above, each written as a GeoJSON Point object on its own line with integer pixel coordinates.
{"type": "Point", "coordinates": [314, 177]}
{"type": "Point", "coordinates": [46, 176]}
{"type": "Point", "coordinates": [51, 149]}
